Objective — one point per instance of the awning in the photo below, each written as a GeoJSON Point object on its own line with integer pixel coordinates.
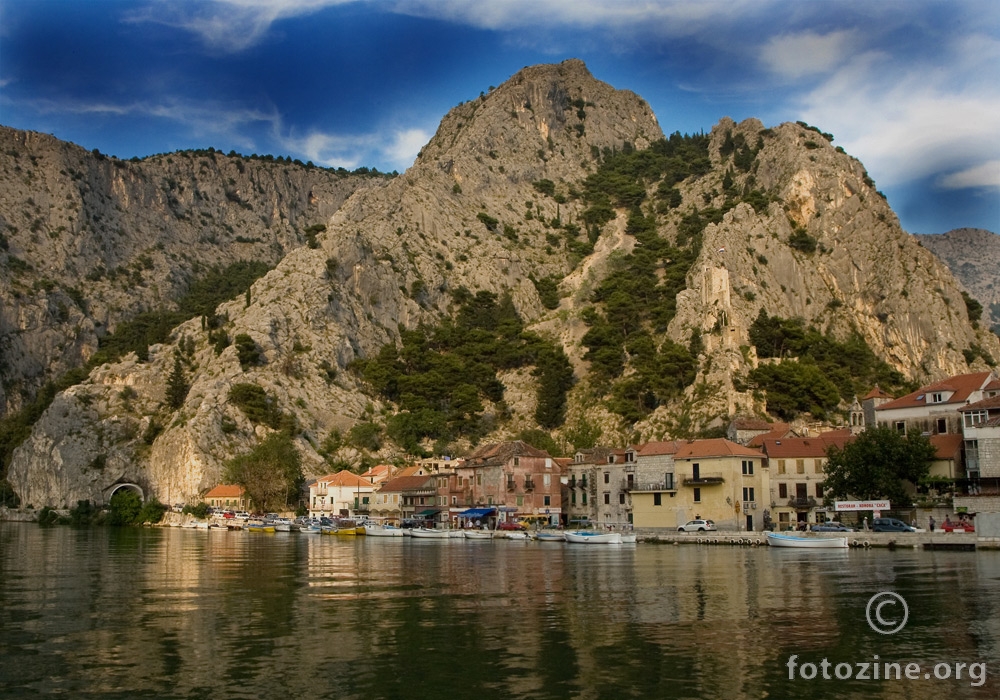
{"type": "Point", "coordinates": [476, 513]}
{"type": "Point", "coordinates": [427, 513]}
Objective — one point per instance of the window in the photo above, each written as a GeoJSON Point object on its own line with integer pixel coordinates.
{"type": "Point", "coordinates": [621, 498]}
{"type": "Point", "coordinates": [748, 467]}
{"type": "Point", "coordinates": [819, 490]}
{"type": "Point", "coordinates": [942, 425]}
{"type": "Point", "coordinates": [547, 501]}
{"type": "Point", "coordinates": [479, 479]}
{"type": "Point", "coordinates": [489, 500]}
{"type": "Point", "coordinates": [782, 490]}
{"type": "Point", "coordinates": [697, 495]}
{"type": "Point", "coordinates": [974, 418]}
{"type": "Point", "coordinates": [696, 471]}
{"type": "Point", "coordinates": [584, 498]}
{"type": "Point", "coordinates": [607, 477]}
{"type": "Point", "coordinates": [547, 479]}
{"type": "Point", "coordinates": [517, 461]}
{"type": "Point", "coordinates": [572, 498]}
{"type": "Point", "coordinates": [607, 498]}
{"type": "Point", "coordinates": [819, 468]}
{"type": "Point", "coordinates": [936, 397]}
{"type": "Point", "coordinates": [783, 517]}
{"type": "Point", "coordinates": [901, 427]}
{"type": "Point", "coordinates": [800, 466]}
{"type": "Point", "coordinates": [657, 499]}
{"type": "Point", "coordinates": [748, 493]}
{"type": "Point", "coordinates": [781, 466]}
{"type": "Point", "coordinates": [668, 481]}
{"type": "Point", "coordinates": [520, 500]}
{"type": "Point", "coordinates": [454, 500]}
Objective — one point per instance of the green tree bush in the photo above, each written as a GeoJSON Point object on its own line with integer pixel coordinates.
{"type": "Point", "coordinates": [271, 474]}
{"type": "Point", "coordinates": [124, 508]}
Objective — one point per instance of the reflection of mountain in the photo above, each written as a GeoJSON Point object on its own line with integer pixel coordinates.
{"type": "Point", "coordinates": [182, 613]}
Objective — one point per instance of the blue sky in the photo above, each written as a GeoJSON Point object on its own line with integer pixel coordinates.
{"type": "Point", "coordinates": [909, 87]}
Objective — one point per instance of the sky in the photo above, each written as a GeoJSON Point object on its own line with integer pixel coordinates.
{"type": "Point", "coordinates": [909, 87]}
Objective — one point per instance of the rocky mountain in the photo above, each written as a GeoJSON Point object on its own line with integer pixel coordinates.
{"type": "Point", "coordinates": [549, 190]}
{"type": "Point", "coordinates": [87, 241]}
{"type": "Point", "coordinates": [973, 256]}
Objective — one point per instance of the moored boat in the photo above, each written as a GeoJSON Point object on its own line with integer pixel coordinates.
{"type": "Point", "coordinates": [550, 536]}
{"type": "Point", "coordinates": [778, 539]}
{"type": "Point", "coordinates": [478, 534]}
{"type": "Point", "coordinates": [373, 530]}
{"type": "Point", "coordinates": [629, 538]}
{"type": "Point", "coordinates": [593, 537]}
{"type": "Point", "coordinates": [428, 533]}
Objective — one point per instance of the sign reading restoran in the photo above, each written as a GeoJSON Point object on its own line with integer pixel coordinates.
{"type": "Point", "coordinates": [861, 505]}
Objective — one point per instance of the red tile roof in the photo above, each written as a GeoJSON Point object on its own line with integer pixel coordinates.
{"type": "Point", "coordinates": [963, 385]}
{"type": "Point", "coordinates": [800, 448]}
{"type": "Point", "coordinates": [753, 424]}
{"type": "Point", "coordinates": [405, 483]}
{"type": "Point", "coordinates": [947, 446]}
{"type": "Point", "coordinates": [993, 386]}
{"type": "Point", "coordinates": [876, 393]}
{"type": "Point", "coordinates": [992, 402]}
{"type": "Point", "coordinates": [715, 447]}
{"type": "Point", "coordinates": [343, 478]}
{"type": "Point", "coordinates": [502, 452]}
{"type": "Point", "coordinates": [652, 449]}
{"type": "Point", "coordinates": [225, 491]}
{"type": "Point", "coordinates": [780, 430]}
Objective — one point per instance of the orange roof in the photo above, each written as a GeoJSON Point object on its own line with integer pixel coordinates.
{"type": "Point", "coordinates": [947, 446]}
{"type": "Point", "coordinates": [225, 491]}
{"type": "Point", "coordinates": [962, 386]}
{"type": "Point", "coordinates": [405, 483]}
{"type": "Point", "coordinates": [779, 431]}
{"type": "Point", "coordinates": [343, 478]}
{"type": "Point", "coordinates": [653, 449]}
{"type": "Point", "coordinates": [563, 462]}
{"type": "Point", "coordinates": [991, 402]}
{"type": "Point", "coordinates": [876, 393]}
{"type": "Point", "coordinates": [992, 386]}
{"type": "Point", "coordinates": [715, 447]}
{"type": "Point", "coordinates": [800, 448]}
{"type": "Point", "coordinates": [409, 471]}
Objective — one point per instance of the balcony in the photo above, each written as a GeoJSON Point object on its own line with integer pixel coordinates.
{"type": "Point", "coordinates": [808, 502]}
{"type": "Point", "coordinates": [703, 480]}
{"type": "Point", "coordinates": [529, 485]}
{"type": "Point", "coordinates": [648, 486]}
{"type": "Point", "coordinates": [511, 486]}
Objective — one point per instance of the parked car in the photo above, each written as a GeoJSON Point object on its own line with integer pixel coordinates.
{"type": "Point", "coordinates": [697, 526]}
{"type": "Point", "coordinates": [229, 515]}
{"type": "Point", "coordinates": [510, 525]}
{"type": "Point", "coordinates": [891, 525]}
{"type": "Point", "coordinates": [953, 525]}
{"type": "Point", "coordinates": [831, 526]}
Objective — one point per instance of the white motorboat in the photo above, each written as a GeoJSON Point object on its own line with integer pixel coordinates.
{"type": "Point", "coordinates": [478, 534]}
{"type": "Point", "coordinates": [428, 533]}
{"type": "Point", "coordinates": [375, 530]}
{"type": "Point", "coordinates": [515, 535]}
{"type": "Point", "coordinates": [593, 537]}
{"type": "Point", "coordinates": [550, 536]}
{"type": "Point", "coordinates": [778, 539]}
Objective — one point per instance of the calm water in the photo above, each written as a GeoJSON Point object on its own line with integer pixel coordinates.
{"type": "Point", "coordinates": [172, 613]}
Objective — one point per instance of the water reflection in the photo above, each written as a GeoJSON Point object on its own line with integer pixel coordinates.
{"type": "Point", "coordinates": [179, 613]}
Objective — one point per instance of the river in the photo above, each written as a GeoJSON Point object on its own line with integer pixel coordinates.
{"type": "Point", "coordinates": [176, 613]}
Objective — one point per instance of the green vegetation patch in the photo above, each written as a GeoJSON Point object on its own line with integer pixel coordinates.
{"type": "Point", "coordinates": [440, 376]}
{"type": "Point", "coordinates": [824, 372]}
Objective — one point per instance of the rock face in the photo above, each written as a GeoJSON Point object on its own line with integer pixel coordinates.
{"type": "Point", "coordinates": [973, 256]}
{"type": "Point", "coordinates": [469, 214]}
{"type": "Point", "coordinates": [87, 241]}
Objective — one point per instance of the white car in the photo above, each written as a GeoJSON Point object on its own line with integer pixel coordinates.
{"type": "Point", "coordinates": [697, 526]}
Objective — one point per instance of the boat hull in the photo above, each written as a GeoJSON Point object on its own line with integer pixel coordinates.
{"type": "Point", "coordinates": [776, 539]}
{"type": "Point", "coordinates": [594, 537]}
{"type": "Point", "coordinates": [382, 531]}
{"type": "Point", "coordinates": [430, 534]}
{"type": "Point", "coordinates": [478, 535]}
{"type": "Point", "coordinates": [550, 537]}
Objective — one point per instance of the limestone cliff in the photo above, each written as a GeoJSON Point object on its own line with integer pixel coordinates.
{"type": "Point", "coordinates": [973, 256]}
{"type": "Point", "coordinates": [87, 241]}
{"type": "Point", "coordinates": [470, 212]}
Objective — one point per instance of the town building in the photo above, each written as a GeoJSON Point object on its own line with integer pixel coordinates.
{"type": "Point", "coordinates": [514, 477]}
{"type": "Point", "coordinates": [717, 479]}
{"type": "Point", "coordinates": [341, 495]}
{"type": "Point", "coordinates": [227, 497]}
{"type": "Point", "coordinates": [935, 409]}
{"type": "Point", "coordinates": [796, 467]}
{"type": "Point", "coordinates": [980, 491]}
{"type": "Point", "coordinates": [743, 429]}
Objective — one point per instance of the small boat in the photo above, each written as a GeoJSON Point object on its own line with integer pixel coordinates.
{"type": "Point", "coordinates": [428, 533]}
{"type": "Point", "coordinates": [311, 529]}
{"type": "Point", "coordinates": [778, 539]}
{"type": "Point", "coordinates": [478, 534]}
{"type": "Point", "coordinates": [593, 537]}
{"type": "Point", "coordinates": [629, 538]}
{"type": "Point", "coordinates": [347, 531]}
{"type": "Point", "coordinates": [515, 535]}
{"type": "Point", "coordinates": [259, 527]}
{"type": "Point", "coordinates": [550, 536]}
{"type": "Point", "coordinates": [373, 530]}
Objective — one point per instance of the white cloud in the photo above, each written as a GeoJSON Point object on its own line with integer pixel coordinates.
{"type": "Point", "coordinates": [982, 175]}
{"type": "Point", "coordinates": [227, 25]}
{"type": "Point", "coordinates": [910, 119]}
{"type": "Point", "coordinates": [807, 53]}
{"type": "Point", "coordinates": [405, 146]}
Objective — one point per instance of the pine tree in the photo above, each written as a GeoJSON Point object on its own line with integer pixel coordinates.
{"type": "Point", "coordinates": [177, 386]}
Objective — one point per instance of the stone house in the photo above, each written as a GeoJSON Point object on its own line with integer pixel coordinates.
{"type": "Point", "coordinates": [935, 409]}
{"type": "Point", "coordinates": [743, 430]}
{"type": "Point", "coordinates": [419, 496]}
{"type": "Point", "coordinates": [981, 442]}
{"type": "Point", "coordinates": [796, 467]}
{"type": "Point", "coordinates": [514, 477]}
{"type": "Point", "coordinates": [717, 479]}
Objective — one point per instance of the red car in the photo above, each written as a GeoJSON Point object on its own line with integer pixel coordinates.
{"type": "Point", "coordinates": [510, 525]}
{"type": "Point", "coordinates": [952, 525]}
